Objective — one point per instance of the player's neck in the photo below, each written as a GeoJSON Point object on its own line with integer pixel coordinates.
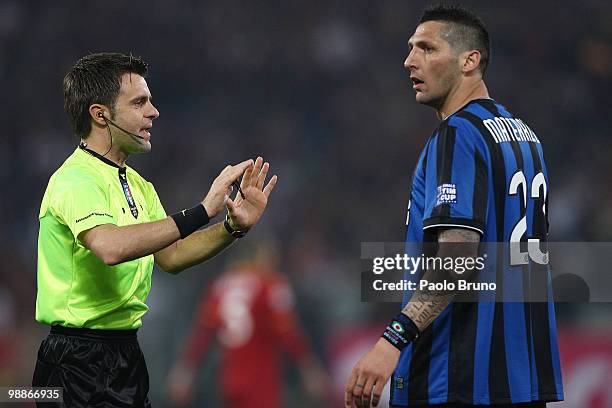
{"type": "Point", "coordinates": [459, 97]}
{"type": "Point", "coordinates": [100, 143]}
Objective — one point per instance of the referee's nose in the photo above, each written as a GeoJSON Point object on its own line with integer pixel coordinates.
{"type": "Point", "coordinates": [152, 113]}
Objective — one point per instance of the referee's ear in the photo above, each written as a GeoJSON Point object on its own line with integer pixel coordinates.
{"type": "Point", "coordinates": [470, 61]}
{"type": "Point", "coordinates": [97, 113]}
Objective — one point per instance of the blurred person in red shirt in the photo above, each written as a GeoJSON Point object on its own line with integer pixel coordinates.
{"type": "Point", "coordinates": [250, 311]}
{"type": "Point", "coordinates": [7, 336]}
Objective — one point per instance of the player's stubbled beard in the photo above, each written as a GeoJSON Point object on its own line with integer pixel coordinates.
{"type": "Point", "coordinates": [444, 84]}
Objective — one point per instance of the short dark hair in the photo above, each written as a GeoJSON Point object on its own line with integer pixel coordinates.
{"type": "Point", "coordinates": [465, 30]}
{"type": "Point", "coordinates": [96, 78]}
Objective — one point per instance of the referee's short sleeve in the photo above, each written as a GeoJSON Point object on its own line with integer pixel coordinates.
{"type": "Point", "coordinates": [456, 179]}
{"type": "Point", "coordinates": [82, 206]}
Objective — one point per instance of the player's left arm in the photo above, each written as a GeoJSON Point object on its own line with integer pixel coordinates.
{"type": "Point", "coordinates": [425, 305]}
{"type": "Point", "coordinates": [372, 372]}
{"type": "Point", "coordinates": [456, 194]}
{"type": "Point", "coordinates": [243, 214]}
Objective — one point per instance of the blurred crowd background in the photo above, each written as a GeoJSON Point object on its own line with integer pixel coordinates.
{"type": "Point", "coordinates": [318, 89]}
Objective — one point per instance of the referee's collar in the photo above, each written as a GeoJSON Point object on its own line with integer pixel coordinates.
{"type": "Point", "coordinates": [98, 156]}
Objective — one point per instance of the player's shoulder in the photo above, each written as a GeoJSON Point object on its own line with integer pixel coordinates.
{"type": "Point", "coordinates": [477, 110]}
{"type": "Point", "coordinates": [270, 275]}
{"type": "Point", "coordinates": [279, 292]}
{"type": "Point", "coordinates": [470, 122]}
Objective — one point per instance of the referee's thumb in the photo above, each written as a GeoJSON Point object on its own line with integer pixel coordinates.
{"type": "Point", "coordinates": [230, 205]}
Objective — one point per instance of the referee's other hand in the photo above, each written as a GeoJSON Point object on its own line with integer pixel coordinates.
{"type": "Point", "coordinates": [220, 189]}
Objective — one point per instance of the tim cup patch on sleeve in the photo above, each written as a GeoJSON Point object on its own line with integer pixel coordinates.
{"type": "Point", "coordinates": [447, 194]}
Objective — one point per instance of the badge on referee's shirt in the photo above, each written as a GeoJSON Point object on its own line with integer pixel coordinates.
{"type": "Point", "coordinates": [127, 192]}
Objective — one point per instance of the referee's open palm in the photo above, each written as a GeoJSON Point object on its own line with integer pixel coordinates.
{"type": "Point", "coordinates": [245, 212]}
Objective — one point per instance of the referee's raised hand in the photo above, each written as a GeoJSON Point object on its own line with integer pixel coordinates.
{"type": "Point", "coordinates": [221, 187]}
{"type": "Point", "coordinates": [245, 211]}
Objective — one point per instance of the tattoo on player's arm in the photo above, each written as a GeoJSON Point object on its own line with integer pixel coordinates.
{"type": "Point", "coordinates": [461, 235]}
{"type": "Point", "coordinates": [427, 303]}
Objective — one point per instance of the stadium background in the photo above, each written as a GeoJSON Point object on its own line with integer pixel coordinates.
{"type": "Point", "coordinates": [319, 89]}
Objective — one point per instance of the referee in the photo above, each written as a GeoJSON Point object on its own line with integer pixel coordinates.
{"type": "Point", "coordinates": [102, 226]}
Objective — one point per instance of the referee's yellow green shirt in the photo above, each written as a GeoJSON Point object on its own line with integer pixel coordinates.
{"type": "Point", "coordinates": [75, 288]}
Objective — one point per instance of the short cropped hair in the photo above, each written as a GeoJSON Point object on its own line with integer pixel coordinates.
{"type": "Point", "coordinates": [96, 78]}
{"type": "Point", "coordinates": [464, 30]}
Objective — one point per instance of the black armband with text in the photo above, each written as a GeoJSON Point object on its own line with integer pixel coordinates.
{"type": "Point", "coordinates": [190, 220]}
{"type": "Point", "coordinates": [401, 331]}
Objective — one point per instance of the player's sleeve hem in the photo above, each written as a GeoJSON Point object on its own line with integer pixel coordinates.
{"type": "Point", "coordinates": [454, 222]}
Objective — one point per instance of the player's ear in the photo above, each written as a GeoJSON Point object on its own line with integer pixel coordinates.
{"type": "Point", "coordinates": [470, 61]}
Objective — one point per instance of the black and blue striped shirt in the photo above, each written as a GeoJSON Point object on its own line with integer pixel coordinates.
{"type": "Point", "coordinates": [484, 169]}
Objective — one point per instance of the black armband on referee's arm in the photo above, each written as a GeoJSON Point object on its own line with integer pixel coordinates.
{"type": "Point", "coordinates": [188, 221]}
{"type": "Point", "coordinates": [401, 331]}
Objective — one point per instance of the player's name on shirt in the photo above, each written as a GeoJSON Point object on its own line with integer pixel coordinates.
{"type": "Point", "coordinates": [509, 130]}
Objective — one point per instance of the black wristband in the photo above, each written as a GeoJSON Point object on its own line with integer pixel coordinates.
{"type": "Point", "coordinates": [233, 232]}
{"type": "Point", "coordinates": [401, 331]}
{"type": "Point", "coordinates": [188, 221]}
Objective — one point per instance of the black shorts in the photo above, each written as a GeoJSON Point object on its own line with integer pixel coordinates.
{"type": "Point", "coordinates": [95, 368]}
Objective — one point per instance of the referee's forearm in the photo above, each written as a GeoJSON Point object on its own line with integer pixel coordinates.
{"type": "Point", "coordinates": [196, 248]}
{"type": "Point", "coordinates": [114, 245]}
